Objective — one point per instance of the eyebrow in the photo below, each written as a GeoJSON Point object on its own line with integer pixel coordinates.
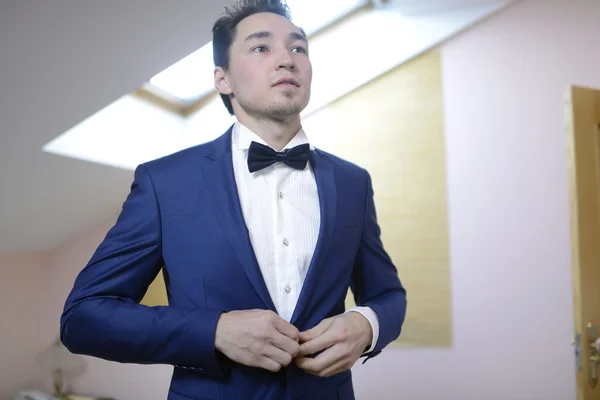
{"type": "Point", "coordinates": [298, 36]}
{"type": "Point", "coordinates": [266, 34]}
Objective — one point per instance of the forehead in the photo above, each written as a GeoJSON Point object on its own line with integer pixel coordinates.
{"type": "Point", "coordinates": [276, 24]}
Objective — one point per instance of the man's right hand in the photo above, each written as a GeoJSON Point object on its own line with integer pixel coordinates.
{"type": "Point", "coordinates": [257, 338]}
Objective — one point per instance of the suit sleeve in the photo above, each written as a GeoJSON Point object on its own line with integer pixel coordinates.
{"type": "Point", "coordinates": [102, 316]}
{"type": "Point", "coordinates": [375, 282]}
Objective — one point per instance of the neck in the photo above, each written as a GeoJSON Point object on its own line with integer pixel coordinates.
{"type": "Point", "coordinates": [276, 133]}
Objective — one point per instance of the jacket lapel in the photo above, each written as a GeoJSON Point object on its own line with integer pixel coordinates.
{"type": "Point", "coordinates": [326, 188]}
{"type": "Point", "coordinates": [220, 179]}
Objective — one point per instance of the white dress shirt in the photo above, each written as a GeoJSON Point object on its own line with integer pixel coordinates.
{"type": "Point", "coordinates": [280, 205]}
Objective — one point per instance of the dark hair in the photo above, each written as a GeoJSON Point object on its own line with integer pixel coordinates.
{"type": "Point", "coordinates": [224, 30]}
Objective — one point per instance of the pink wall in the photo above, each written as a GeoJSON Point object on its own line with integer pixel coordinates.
{"type": "Point", "coordinates": [509, 221]}
{"type": "Point", "coordinates": [509, 215]}
{"type": "Point", "coordinates": [121, 381]}
{"type": "Point", "coordinates": [21, 294]}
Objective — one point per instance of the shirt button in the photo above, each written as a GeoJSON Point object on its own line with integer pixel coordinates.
{"type": "Point", "coordinates": [285, 242]}
{"type": "Point", "coordinates": [281, 195]}
{"type": "Point", "coordinates": [288, 289]}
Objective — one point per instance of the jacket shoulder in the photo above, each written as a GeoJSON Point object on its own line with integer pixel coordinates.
{"type": "Point", "coordinates": [181, 158]}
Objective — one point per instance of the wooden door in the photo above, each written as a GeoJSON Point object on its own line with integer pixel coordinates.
{"type": "Point", "coordinates": [582, 117]}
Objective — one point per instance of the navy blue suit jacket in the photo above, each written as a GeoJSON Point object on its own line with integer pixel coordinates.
{"type": "Point", "coordinates": [183, 216]}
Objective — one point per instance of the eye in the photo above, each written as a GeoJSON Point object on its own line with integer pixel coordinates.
{"type": "Point", "coordinates": [259, 49]}
{"type": "Point", "coordinates": [299, 49]}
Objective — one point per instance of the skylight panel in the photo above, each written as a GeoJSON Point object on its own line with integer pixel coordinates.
{"type": "Point", "coordinates": [191, 78]}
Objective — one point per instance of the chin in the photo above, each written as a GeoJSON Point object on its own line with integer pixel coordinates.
{"type": "Point", "coordinates": [286, 108]}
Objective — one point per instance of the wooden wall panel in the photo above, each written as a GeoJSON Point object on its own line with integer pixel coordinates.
{"type": "Point", "coordinates": [393, 127]}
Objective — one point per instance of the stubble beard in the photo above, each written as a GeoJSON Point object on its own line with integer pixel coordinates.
{"type": "Point", "coordinates": [279, 111]}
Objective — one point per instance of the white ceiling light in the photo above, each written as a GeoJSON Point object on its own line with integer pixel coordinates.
{"type": "Point", "coordinates": [348, 56]}
{"type": "Point", "coordinates": [192, 77]}
{"type": "Point", "coordinates": [352, 54]}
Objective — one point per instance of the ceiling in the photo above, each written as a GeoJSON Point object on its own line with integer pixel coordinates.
{"type": "Point", "coordinates": [61, 62]}
{"type": "Point", "coordinates": [428, 7]}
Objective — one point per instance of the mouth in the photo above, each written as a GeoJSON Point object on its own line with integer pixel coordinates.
{"type": "Point", "coordinates": [287, 82]}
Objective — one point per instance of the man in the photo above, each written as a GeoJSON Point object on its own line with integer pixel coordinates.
{"type": "Point", "coordinates": [259, 236]}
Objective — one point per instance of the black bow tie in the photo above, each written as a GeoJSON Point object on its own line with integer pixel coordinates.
{"type": "Point", "coordinates": [261, 156]}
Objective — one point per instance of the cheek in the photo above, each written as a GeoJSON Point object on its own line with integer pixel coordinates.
{"type": "Point", "coordinates": [247, 79]}
{"type": "Point", "coordinates": [307, 68]}
{"type": "Point", "coordinates": [246, 75]}
{"type": "Point", "coordinates": [308, 78]}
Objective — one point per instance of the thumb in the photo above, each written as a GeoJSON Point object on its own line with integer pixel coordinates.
{"type": "Point", "coordinates": [315, 331]}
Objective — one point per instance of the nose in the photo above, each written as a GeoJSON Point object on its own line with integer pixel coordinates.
{"type": "Point", "coordinates": [285, 60]}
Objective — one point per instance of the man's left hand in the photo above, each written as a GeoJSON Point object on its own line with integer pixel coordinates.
{"type": "Point", "coordinates": [343, 339]}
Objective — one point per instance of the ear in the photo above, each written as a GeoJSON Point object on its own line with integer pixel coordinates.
{"type": "Point", "coordinates": [221, 82]}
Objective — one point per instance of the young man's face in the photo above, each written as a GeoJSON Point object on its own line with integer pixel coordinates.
{"type": "Point", "coordinates": [269, 72]}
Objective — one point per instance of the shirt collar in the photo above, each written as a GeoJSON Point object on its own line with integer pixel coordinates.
{"type": "Point", "coordinates": [243, 136]}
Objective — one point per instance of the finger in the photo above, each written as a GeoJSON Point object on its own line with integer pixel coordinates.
{"type": "Point", "coordinates": [336, 368]}
{"type": "Point", "coordinates": [310, 366]}
{"type": "Point", "coordinates": [307, 364]}
{"type": "Point", "coordinates": [320, 343]}
{"type": "Point", "coordinates": [286, 344]}
{"type": "Point", "coordinates": [315, 331]}
{"type": "Point", "coordinates": [320, 363]}
{"type": "Point", "coordinates": [279, 356]}
{"type": "Point", "coordinates": [269, 364]}
{"type": "Point", "coordinates": [287, 329]}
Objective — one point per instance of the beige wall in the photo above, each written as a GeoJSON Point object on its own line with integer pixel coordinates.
{"type": "Point", "coordinates": [394, 128]}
